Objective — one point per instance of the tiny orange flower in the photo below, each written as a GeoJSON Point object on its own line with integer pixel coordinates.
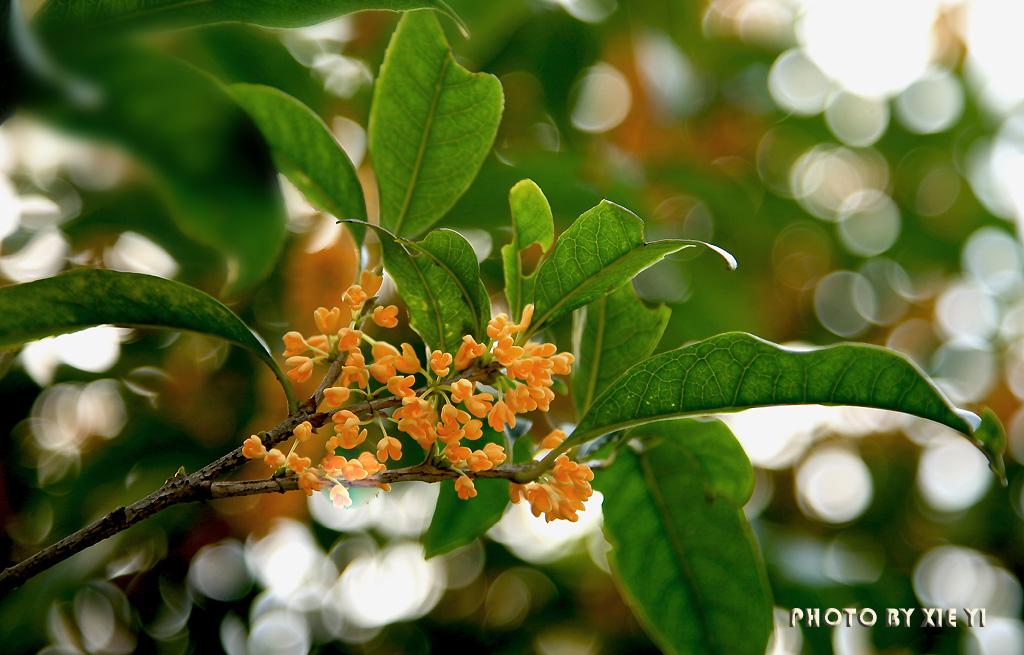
{"type": "Point", "coordinates": [495, 453]}
{"type": "Point", "coordinates": [340, 496]}
{"type": "Point", "coordinates": [383, 367]}
{"type": "Point", "coordinates": [253, 448]}
{"type": "Point", "coordinates": [440, 363]}
{"type": "Point", "coordinates": [303, 431]}
{"type": "Point", "coordinates": [299, 368]}
{"type": "Point", "coordinates": [352, 438]}
{"type": "Point", "coordinates": [309, 482]}
{"type": "Point", "coordinates": [407, 362]}
{"type": "Point", "coordinates": [331, 464]}
{"type": "Point", "coordinates": [468, 351]}
{"type": "Point", "coordinates": [294, 344]}
{"type": "Point", "coordinates": [499, 326]}
{"type": "Point", "coordinates": [507, 352]}
{"type": "Point", "coordinates": [452, 415]}
{"type": "Point", "coordinates": [298, 464]}
{"type": "Point", "coordinates": [344, 416]}
{"type": "Point", "coordinates": [348, 339]}
{"type": "Point", "coordinates": [327, 320]}
{"type": "Point", "coordinates": [356, 375]}
{"type": "Point", "coordinates": [464, 488]}
{"type": "Point", "coordinates": [353, 470]}
{"type": "Point", "coordinates": [525, 319]}
{"type": "Point", "coordinates": [389, 448]}
{"type": "Point", "coordinates": [401, 386]}
{"type": "Point", "coordinates": [478, 461]}
{"type": "Point", "coordinates": [386, 317]}
{"type": "Point", "coordinates": [370, 282]}
{"type": "Point", "coordinates": [354, 296]}
{"type": "Point", "coordinates": [479, 405]}
{"type": "Point", "coordinates": [456, 453]}
{"type": "Point", "coordinates": [516, 492]}
{"type": "Point", "coordinates": [336, 396]}
{"type": "Point", "coordinates": [461, 389]}
{"type": "Point", "coordinates": [501, 416]}
{"type": "Point", "coordinates": [553, 440]}
{"type": "Point", "coordinates": [370, 462]}
{"type": "Point", "coordinates": [473, 429]}
{"type": "Point", "coordinates": [275, 458]}
{"type": "Point", "coordinates": [562, 363]}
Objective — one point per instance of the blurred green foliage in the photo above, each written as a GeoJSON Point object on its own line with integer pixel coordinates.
{"type": "Point", "coordinates": [710, 156]}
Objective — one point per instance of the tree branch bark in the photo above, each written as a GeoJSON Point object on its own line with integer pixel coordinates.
{"type": "Point", "coordinates": [200, 486]}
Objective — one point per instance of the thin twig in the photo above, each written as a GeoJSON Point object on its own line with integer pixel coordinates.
{"type": "Point", "coordinates": [200, 486]}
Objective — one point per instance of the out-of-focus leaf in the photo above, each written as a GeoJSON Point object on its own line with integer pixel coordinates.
{"type": "Point", "coordinates": [432, 124]}
{"type": "Point", "coordinates": [682, 549]}
{"type": "Point", "coordinates": [103, 15]}
{"type": "Point", "coordinates": [205, 151]}
{"type": "Point", "coordinates": [736, 371]}
{"type": "Point", "coordinates": [235, 53]}
{"type": "Point", "coordinates": [602, 250]}
{"type": "Point", "coordinates": [305, 152]}
{"type": "Point", "coordinates": [457, 522]}
{"type": "Point", "coordinates": [84, 298]}
{"type": "Point", "coordinates": [531, 223]}
{"type": "Point", "coordinates": [618, 331]}
{"type": "Point", "coordinates": [439, 282]}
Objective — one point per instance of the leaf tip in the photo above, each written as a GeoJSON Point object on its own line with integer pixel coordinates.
{"type": "Point", "coordinates": [990, 437]}
{"type": "Point", "coordinates": [446, 9]}
{"type": "Point", "coordinates": [730, 260]}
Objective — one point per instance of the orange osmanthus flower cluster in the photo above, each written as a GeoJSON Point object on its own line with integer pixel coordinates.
{"type": "Point", "coordinates": [441, 411]}
{"type": "Point", "coordinates": [560, 493]}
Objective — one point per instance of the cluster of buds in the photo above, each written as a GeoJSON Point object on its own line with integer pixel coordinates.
{"type": "Point", "coordinates": [442, 405]}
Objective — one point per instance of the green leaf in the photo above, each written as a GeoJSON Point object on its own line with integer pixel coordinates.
{"type": "Point", "coordinates": [682, 550]}
{"type": "Point", "coordinates": [84, 298]}
{"type": "Point", "coordinates": [305, 151]}
{"type": "Point", "coordinates": [458, 522]}
{"type": "Point", "coordinates": [206, 154]}
{"type": "Point", "coordinates": [449, 251]}
{"type": "Point", "coordinates": [439, 281]}
{"type": "Point", "coordinates": [531, 216]}
{"type": "Point", "coordinates": [432, 123]}
{"type": "Point", "coordinates": [105, 16]}
{"type": "Point", "coordinates": [602, 250]}
{"type": "Point", "coordinates": [616, 332]}
{"type": "Point", "coordinates": [990, 438]}
{"type": "Point", "coordinates": [532, 223]}
{"type": "Point", "coordinates": [736, 371]}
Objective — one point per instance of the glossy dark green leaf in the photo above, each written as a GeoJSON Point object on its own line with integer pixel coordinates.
{"type": "Point", "coordinates": [735, 371]}
{"type": "Point", "coordinates": [103, 15]}
{"type": "Point", "coordinates": [304, 151]}
{"type": "Point", "coordinates": [617, 331]}
{"type": "Point", "coordinates": [602, 250]}
{"type": "Point", "coordinates": [531, 223]}
{"type": "Point", "coordinates": [432, 124]}
{"type": "Point", "coordinates": [205, 152]}
{"type": "Point", "coordinates": [682, 550]}
{"type": "Point", "coordinates": [84, 298]}
{"type": "Point", "coordinates": [439, 282]}
{"type": "Point", "coordinates": [458, 522]}
{"type": "Point", "coordinates": [449, 251]}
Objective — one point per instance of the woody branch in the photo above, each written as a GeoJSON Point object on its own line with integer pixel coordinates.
{"type": "Point", "coordinates": [202, 485]}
